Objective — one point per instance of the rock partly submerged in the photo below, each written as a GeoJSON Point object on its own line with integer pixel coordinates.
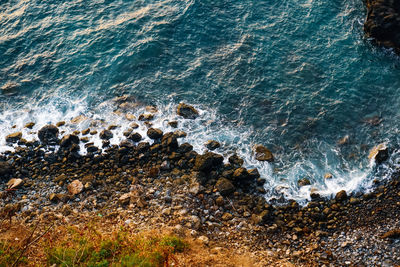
{"type": "Point", "coordinates": [383, 23]}
{"type": "Point", "coordinates": [187, 111]}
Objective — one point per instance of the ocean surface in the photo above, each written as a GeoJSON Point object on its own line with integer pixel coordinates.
{"type": "Point", "coordinates": [297, 76]}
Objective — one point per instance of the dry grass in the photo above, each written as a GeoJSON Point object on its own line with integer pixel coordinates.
{"type": "Point", "coordinates": [102, 242]}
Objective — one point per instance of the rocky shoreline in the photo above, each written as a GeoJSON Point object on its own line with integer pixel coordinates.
{"type": "Point", "coordinates": [383, 23]}
{"type": "Point", "coordinates": [168, 184]}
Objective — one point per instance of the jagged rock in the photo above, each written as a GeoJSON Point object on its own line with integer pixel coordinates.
{"type": "Point", "coordinates": [383, 23]}
{"type": "Point", "coordinates": [187, 111]}
{"type": "Point", "coordinates": [170, 141]}
{"type": "Point", "coordinates": [68, 140]}
{"type": "Point", "coordinates": [380, 153]}
{"type": "Point", "coordinates": [240, 175]}
{"type": "Point", "coordinates": [235, 160]}
{"type": "Point", "coordinates": [14, 137]}
{"type": "Point", "coordinates": [212, 144]}
{"type": "Point", "coordinates": [254, 174]}
{"type": "Point", "coordinates": [208, 161]}
{"type": "Point", "coordinates": [224, 186]}
{"type": "Point", "coordinates": [154, 133]}
{"type": "Point", "coordinates": [48, 134]}
{"type": "Point", "coordinates": [106, 135]}
{"type": "Point", "coordinates": [263, 154]}
{"type": "Point", "coordinates": [79, 119]}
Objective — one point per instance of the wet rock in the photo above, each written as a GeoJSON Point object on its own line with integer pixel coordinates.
{"type": "Point", "coordinates": [341, 195]}
{"type": "Point", "coordinates": [130, 117]}
{"type": "Point", "coordinates": [112, 127]}
{"type": "Point", "coordinates": [263, 154]}
{"type": "Point", "coordinates": [86, 131]}
{"type": "Point", "coordinates": [254, 174]}
{"type": "Point", "coordinates": [328, 176]}
{"type": "Point", "coordinates": [224, 186]}
{"type": "Point", "coordinates": [343, 140]}
{"type": "Point", "coordinates": [29, 125]}
{"type": "Point", "coordinates": [235, 160]}
{"type": "Point", "coordinates": [75, 187]}
{"type": "Point", "coordinates": [187, 111]}
{"type": "Point", "coordinates": [179, 133]}
{"type": "Point", "coordinates": [212, 145]}
{"type": "Point", "coordinates": [151, 109]}
{"type": "Point", "coordinates": [68, 140]}
{"type": "Point", "coordinates": [135, 137]}
{"type": "Point", "coordinates": [14, 137]}
{"type": "Point", "coordinates": [60, 123]}
{"type": "Point", "coordinates": [106, 135]}
{"type": "Point", "coordinates": [48, 134]}
{"type": "Point", "coordinates": [143, 147]}
{"type": "Point", "coordinates": [380, 153]}
{"type": "Point", "coordinates": [79, 119]}
{"type": "Point", "coordinates": [241, 175]}
{"type": "Point", "coordinates": [154, 133]}
{"type": "Point", "coordinates": [354, 201]}
{"type": "Point", "coordinates": [134, 125]}
{"type": "Point", "coordinates": [146, 117]}
{"type": "Point", "coordinates": [383, 24]}
{"type": "Point", "coordinates": [303, 182]}
{"type": "Point", "coordinates": [173, 124]}
{"type": "Point", "coordinates": [208, 161]}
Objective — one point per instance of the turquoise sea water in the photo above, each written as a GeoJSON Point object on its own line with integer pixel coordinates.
{"type": "Point", "coordinates": [296, 76]}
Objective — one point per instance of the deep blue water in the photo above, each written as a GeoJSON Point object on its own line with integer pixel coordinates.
{"type": "Point", "coordinates": [296, 76]}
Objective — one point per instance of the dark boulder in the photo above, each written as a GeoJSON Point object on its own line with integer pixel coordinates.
{"type": "Point", "coordinates": [143, 147]}
{"type": "Point", "coordinates": [68, 140]}
{"type": "Point", "coordinates": [263, 154]}
{"type": "Point", "coordinates": [380, 153]}
{"type": "Point", "coordinates": [170, 141]}
{"type": "Point", "coordinates": [212, 145]}
{"type": "Point", "coordinates": [341, 195]}
{"type": "Point", "coordinates": [48, 134]}
{"type": "Point", "coordinates": [154, 133]}
{"type": "Point", "coordinates": [187, 111]}
{"type": "Point", "coordinates": [235, 160]}
{"type": "Point", "coordinates": [106, 135]}
{"type": "Point", "coordinates": [224, 186]}
{"type": "Point", "coordinates": [240, 175]}
{"type": "Point", "coordinates": [135, 137]}
{"type": "Point", "coordinates": [383, 23]}
{"type": "Point", "coordinates": [14, 137]}
{"type": "Point", "coordinates": [208, 161]}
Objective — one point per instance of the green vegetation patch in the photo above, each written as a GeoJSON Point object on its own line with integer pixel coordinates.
{"type": "Point", "coordinates": [90, 248]}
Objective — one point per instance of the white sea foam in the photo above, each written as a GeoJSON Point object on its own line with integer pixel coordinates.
{"type": "Point", "coordinates": [209, 126]}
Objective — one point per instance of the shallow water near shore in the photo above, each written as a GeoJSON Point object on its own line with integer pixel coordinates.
{"type": "Point", "coordinates": [296, 76]}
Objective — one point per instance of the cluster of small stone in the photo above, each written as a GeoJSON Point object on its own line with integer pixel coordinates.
{"type": "Point", "coordinates": [167, 183]}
